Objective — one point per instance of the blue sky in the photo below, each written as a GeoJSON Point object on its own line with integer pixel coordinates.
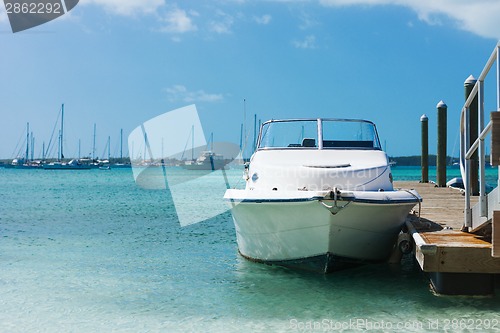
{"type": "Point", "coordinates": [118, 63]}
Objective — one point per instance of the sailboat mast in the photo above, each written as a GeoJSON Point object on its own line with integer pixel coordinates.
{"type": "Point", "coordinates": [93, 144]}
{"type": "Point", "coordinates": [192, 142]}
{"type": "Point", "coordinates": [244, 121]}
{"type": "Point", "coordinates": [241, 137]}
{"type": "Point", "coordinates": [59, 146]}
{"type": "Point", "coordinates": [62, 130]}
{"type": "Point", "coordinates": [162, 154]}
{"type": "Point", "coordinates": [146, 143]}
{"type": "Point", "coordinates": [109, 147]}
{"type": "Point", "coordinates": [121, 144]}
{"type": "Point", "coordinates": [27, 140]}
{"type": "Point", "coordinates": [32, 146]}
{"type": "Point", "coordinates": [254, 131]}
{"type": "Point", "coordinates": [258, 128]}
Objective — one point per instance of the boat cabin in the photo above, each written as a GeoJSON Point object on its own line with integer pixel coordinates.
{"type": "Point", "coordinates": [319, 154]}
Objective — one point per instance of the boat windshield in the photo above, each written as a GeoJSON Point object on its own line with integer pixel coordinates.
{"type": "Point", "coordinates": [319, 134]}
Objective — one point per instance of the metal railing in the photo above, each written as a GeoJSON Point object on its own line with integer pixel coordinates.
{"type": "Point", "coordinates": [466, 149]}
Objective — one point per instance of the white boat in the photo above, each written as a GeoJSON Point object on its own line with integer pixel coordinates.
{"type": "Point", "coordinates": [318, 196]}
{"type": "Point", "coordinates": [208, 160]}
{"type": "Point", "coordinates": [74, 164]}
{"type": "Point", "coordinates": [456, 182]}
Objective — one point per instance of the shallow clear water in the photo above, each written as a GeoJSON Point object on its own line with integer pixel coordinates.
{"type": "Point", "coordinates": [89, 251]}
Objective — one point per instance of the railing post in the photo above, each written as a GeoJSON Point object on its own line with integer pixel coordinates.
{"type": "Point", "coordinates": [473, 134]}
{"type": "Point", "coordinates": [498, 78]}
{"type": "Point", "coordinates": [441, 144]}
{"type": "Point", "coordinates": [424, 159]}
{"type": "Point", "coordinates": [482, 156]}
{"type": "Point", "coordinates": [466, 180]}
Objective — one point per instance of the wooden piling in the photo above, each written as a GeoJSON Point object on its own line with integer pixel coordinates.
{"type": "Point", "coordinates": [441, 144]}
{"type": "Point", "coordinates": [473, 134]}
{"type": "Point", "coordinates": [424, 159]}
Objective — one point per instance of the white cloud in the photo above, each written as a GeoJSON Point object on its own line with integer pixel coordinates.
{"type": "Point", "coordinates": [264, 19]}
{"type": "Point", "coordinates": [307, 22]}
{"type": "Point", "coordinates": [127, 7]}
{"type": "Point", "coordinates": [308, 43]}
{"type": "Point", "coordinates": [477, 16]}
{"type": "Point", "coordinates": [179, 21]}
{"type": "Point", "coordinates": [3, 14]}
{"type": "Point", "coordinates": [223, 23]}
{"type": "Point", "coordinates": [180, 93]}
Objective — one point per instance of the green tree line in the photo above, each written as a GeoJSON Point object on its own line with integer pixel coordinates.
{"type": "Point", "coordinates": [416, 160]}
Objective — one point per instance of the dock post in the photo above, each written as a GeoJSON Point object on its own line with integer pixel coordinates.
{"type": "Point", "coordinates": [441, 144]}
{"type": "Point", "coordinates": [424, 159]}
{"type": "Point", "coordinates": [473, 134]}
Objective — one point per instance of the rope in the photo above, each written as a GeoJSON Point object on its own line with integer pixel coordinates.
{"type": "Point", "coordinates": [419, 202]}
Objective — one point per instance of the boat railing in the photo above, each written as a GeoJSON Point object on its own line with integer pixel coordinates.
{"type": "Point", "coordinates": [468, 148]}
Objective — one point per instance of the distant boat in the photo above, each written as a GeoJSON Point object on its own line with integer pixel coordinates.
{"type": "Point", "coordinates": [71, 165]}
{"type": "Point", "coordinates": [208, 160]}
{"type": "Point", "coordinates": [456, 182]}
{"type": "Point", "coordinates": [25, 162]}
{"type": "Point", "coordinates": [21, 163]}
{"type": "Point", "coordinates": [74, 164]}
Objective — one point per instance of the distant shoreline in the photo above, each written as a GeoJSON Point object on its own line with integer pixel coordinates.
{"type": "Point", "coordinates": [112, 160]}
{"type": "Point", "coordinates": [413, 160]}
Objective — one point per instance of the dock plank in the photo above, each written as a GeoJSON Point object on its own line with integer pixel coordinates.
{"type": "Point", "coordinates": [442, 205]}
{"type": "Point", "coordinates": [440, 245]}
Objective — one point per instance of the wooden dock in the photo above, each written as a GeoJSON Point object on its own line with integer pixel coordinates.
{"type": "Point", "coordinates": [457, 262]}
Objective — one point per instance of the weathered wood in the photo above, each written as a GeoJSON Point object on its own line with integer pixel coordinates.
{"type": "Point", "coordinates": [453, 251]}
{"type": "Point", "coordinates": [442, 205]}
{"type": "Point", "coordinates": [495, 138]}
{"type": "Point", "coordinates": [424, 159]}
{"type": "Point", "coordinates": [441, 144]}
{"type": "Point", "coordinates": [440, 246]}
{"type": "Point", "coordinates": [495, 235]}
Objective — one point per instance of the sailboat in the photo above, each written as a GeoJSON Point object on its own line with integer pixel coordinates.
{"type": "Point", "coordinates": [74, 164]}
{"type": "Point", "coordinates": [105, 165]}
{"type": "Point", "coordinates": [25, 162]}
{"type": "Point", "coordinates": [208, 159]}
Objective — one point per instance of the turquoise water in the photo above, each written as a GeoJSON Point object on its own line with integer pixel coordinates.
{"type": "Point", "coordinates": [414, 173]}
{"type": "Point", "coordinates": [89, 251]}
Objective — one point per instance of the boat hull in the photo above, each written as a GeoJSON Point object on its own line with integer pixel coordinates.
{"type": "Point", "coordinates": [319, 233]}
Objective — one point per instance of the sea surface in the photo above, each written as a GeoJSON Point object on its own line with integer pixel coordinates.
{"type": "Point", "coordinates": [90, 251]}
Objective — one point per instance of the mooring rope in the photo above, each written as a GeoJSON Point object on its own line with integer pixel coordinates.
{"type": "Point", "coordinates": [419, 202]}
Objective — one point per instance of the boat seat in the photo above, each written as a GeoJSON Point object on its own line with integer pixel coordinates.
{"type": "Point", "coordinates": [308, 142]}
